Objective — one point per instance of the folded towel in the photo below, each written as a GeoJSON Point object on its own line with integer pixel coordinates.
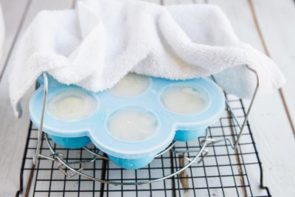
{"type": "Point", "coordinates": [2, 31]}
{"type": "Point", "coordinates": [100, 41]}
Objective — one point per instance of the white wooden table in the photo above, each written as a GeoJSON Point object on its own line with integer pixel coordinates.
{"type": "Point", "coordinates": [269, 25]}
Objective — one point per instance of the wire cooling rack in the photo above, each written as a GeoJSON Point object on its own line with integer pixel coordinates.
{"type": "Point", "coordinates": [223, 172]}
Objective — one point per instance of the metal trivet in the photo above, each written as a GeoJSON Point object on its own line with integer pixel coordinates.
{"type": "Point", "coordinates": [225, 162]}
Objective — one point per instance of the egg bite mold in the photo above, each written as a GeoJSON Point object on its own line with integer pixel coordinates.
{"type": "Point", "coordinates": [152, 107]}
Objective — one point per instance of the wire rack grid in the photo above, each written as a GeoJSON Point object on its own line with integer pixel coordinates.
{"type": "Point", "coordinates": [223, 172]}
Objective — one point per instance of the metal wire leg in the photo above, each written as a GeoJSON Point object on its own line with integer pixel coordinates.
{"type": "Point", "coordinates": [40, 129]}
{"type": "Point", "coordinates": [241, 127]}
{"type": "Point", "coordinates": [249, 108]}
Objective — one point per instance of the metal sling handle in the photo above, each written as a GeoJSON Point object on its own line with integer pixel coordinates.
{"type": "Point", "coordinates": [201, 153]}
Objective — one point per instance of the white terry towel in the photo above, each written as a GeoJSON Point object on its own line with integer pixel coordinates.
{"type": "Point", "coordinates": [2, 31]}
{"type": "Point", "coordinates": [100, 41]}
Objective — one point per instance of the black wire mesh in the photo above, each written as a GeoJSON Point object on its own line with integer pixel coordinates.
{"type": "Point", "coordinates": [223, 172]}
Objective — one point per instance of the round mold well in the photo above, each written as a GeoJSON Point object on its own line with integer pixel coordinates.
{"type": "Point", "coordinates": [194, 101]}
{"type": "Point", "coordinates": [184, 99]}
{"type": "Point", "coordinates": [131, 85]}
{"type": "Point", "coordinates": [72, 105]}
{"type": "Point", "coordinates": [132, 124]}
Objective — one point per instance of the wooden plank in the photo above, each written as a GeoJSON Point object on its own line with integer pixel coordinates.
{"type": "Point", "coordinates": [277, 32]}
{"type": "Point", "coordinates": [176, 2]}
{"type": "Point", "coordinates": [13, 132]}
{"type": "Point", "coordinates": [153, 1]}
{"type": "Point", "coordinates": [13, 19]}
{"type": "Point", "coordinates": [268, 119]}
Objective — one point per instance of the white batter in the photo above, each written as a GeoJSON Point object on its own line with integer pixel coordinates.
{"type": "Point", "coordinates": [131, 85]}
{"type": "Point", "coordinates": [132, 125]}
{"type": "Point", "coordinates": [72, 105]}
{"type": "Point", "coordinates": [184, 100]}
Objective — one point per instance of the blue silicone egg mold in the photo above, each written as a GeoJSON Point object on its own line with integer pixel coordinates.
{"type": "Point", "coordinates": [136, 154]}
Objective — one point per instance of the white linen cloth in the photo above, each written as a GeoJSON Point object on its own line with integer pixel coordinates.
{"type": "Point", "coordinates": [100, 41]}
